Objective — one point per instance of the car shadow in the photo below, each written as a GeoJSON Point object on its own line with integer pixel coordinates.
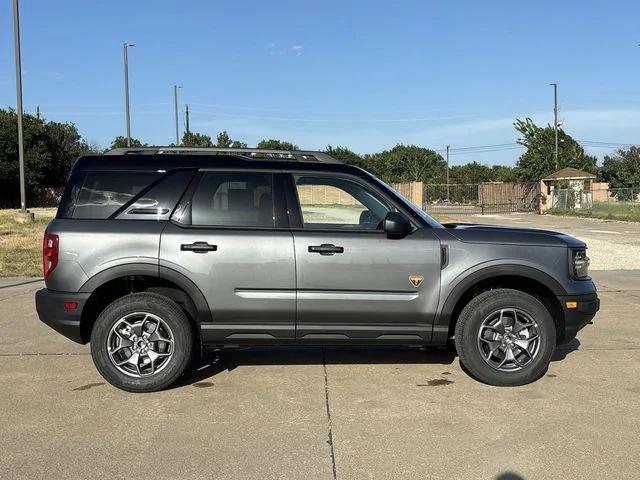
{"type": "Point", "coordinates": [561, 351]}
{"type": "Point", "coordinates": [211, 363]}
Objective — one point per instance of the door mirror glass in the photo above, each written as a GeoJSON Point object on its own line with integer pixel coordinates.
{"type": "Point", "coordinates": [396, 225]}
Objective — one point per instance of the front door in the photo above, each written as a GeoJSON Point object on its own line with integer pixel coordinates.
{"type": "Point", "coordinates": [353, 283]}
{"type": "Point", "coordinates": [233, 251]}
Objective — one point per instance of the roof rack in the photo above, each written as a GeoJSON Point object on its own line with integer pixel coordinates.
{"type": "Point", "coordinates": [249, 153]}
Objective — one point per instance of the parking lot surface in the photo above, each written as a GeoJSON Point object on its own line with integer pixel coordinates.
{"type": "Point", "coordinates": [323, 413]}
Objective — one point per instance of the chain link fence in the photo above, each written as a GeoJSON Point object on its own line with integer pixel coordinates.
{"type": "Point", "coordinates": [613, 203]}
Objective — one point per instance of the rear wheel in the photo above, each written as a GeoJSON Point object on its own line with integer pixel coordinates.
{"type": "Point", "coordinates": [142, 342]}
{"type": "Point", "coordinates": [505, 337]}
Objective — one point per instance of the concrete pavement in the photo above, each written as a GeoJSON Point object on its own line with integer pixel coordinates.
{"type": "Point", "coordinates": [324, 413]}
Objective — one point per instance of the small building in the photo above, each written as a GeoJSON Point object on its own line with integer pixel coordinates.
{"type": "Point", "coordinates": [567, 188]}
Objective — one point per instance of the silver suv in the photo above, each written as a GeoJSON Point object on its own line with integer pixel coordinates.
{"type": "Point", "coordinates": [155, 253]}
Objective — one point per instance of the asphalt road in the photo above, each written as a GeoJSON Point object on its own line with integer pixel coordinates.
{"type": "Point", "coordinates": [314, 413]}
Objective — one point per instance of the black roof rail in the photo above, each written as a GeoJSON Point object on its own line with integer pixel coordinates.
{"type": "Point", "coordinates": [249, 153]}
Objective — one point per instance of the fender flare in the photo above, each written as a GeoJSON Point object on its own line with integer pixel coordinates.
{"type": "Point", "coordinates": [153, 270]}
{"type": "Point", "coordinates": [515, 270]}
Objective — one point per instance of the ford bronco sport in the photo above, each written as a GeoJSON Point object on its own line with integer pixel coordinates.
{"type": "Point", "coordinates": [155, 253]}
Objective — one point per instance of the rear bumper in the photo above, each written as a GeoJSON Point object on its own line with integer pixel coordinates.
{"type": "Point", "coordinates": [576, 318]}
{"type": "Point", "coordinates": [51, 310]}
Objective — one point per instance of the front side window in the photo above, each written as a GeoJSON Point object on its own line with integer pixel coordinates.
{"type": "Point", "coordinates": [233, 199]}
{"type": "Point", "coordinates": [336, 202]}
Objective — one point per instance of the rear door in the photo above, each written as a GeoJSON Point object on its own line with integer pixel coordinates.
{"type": "Point", "coordinates": [230, 240]}
{"type": "Point", "coordinates": [353, 283]}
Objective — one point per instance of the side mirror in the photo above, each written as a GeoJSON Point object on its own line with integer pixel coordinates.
{"type": "Point", "coordinates": [396, 225]}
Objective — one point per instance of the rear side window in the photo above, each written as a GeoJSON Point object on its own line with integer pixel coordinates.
{"type": "Point", "coordinates": [158, 201]}
{"type": "Point", "coordinates": [242, 199]}
{"type": "Point", "coordinates": [103, 193]}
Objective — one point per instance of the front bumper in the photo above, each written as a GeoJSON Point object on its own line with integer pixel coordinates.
{"type": "Point", "coordinates": [51, 310]}
{"type": "Point", "coordinates": [576, 318]}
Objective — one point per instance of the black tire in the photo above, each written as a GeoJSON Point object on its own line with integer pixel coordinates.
{"type": "Point", "coordinates": [468, 328]}
{"type": "Point", "coordinates": [175, 319]}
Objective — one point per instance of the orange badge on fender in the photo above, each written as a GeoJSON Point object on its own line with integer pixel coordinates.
{"type": "Point", "coordinates": [416, 280]}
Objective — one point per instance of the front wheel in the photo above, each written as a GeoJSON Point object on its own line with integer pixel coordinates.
{"type": "Point", "coordinates": [505, 337]}
{"type": "Point", "coordinates": [142, 342]}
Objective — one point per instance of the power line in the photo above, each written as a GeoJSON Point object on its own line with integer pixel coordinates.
{"type": "Point", "coordinates": [330, 120]}
{"type": "Point", "coordinates": [595, 143]}
{"type": "Point", "coordinates": [488, 150]}
{"type": "Point", "coordinates": [497, 145]}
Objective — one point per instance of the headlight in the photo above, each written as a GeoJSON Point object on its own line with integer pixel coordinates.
{"type": "Point", "coordinates": [579, 263]}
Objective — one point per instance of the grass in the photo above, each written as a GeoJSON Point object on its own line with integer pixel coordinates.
{"type": "Point", "coordinates": [21, 243]}
{"type": "Point", "coordinates": [626, 211]}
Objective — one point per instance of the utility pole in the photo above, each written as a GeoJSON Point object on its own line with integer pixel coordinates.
{"type": "Point", "coordinates": [186, 118]}
{"type": "Point", "coordinates": [38, 112]}
{"type": "Point", "coordinates": [24, 214]}
{"type": "Point", "coordinates": [555, 119]}
{"type": "Point", "coordinates": [448, 199]}
{"type": "Point", "coordinates": [175, 108]}
{"type": "Point", "coordinates": [126, 90]}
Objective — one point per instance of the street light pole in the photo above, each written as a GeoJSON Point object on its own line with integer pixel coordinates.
{"type": "Point", "coordinates": [448, 199]}
{"type": "Point", "coordinates": [186, 118]}
{"type": "Point", "coordinates": [175, 107]}
{"type": "Point", "coordinates": [126, 90]}
{"type": "Point", "coordinates": [16, 39]}
{"type": "Point", "coordinates": [555, 120]}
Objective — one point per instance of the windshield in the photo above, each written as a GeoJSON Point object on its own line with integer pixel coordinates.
{"type": "Point", "coordinates": [422, 214]}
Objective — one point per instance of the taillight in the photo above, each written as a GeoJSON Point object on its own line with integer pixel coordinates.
{"type": "Point", "coordinates": [49, 253]}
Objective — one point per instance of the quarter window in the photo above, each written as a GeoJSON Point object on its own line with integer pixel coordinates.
{"type": "Point", "coordinates": [334, 202]}
{"type": "Point", "coordinates": [242, 199]}
{"type": "Point", "coordinates": [103, 193]}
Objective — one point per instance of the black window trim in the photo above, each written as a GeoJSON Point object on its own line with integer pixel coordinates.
{"type": "Point", "coordinates": [296, 220]}
{"type": "Point", "coordinates": [184, 220]}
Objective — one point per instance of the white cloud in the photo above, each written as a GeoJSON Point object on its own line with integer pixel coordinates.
{"type": "Point", "coordinates": [53, 75]}
{"type": "Point", "coordinates": [276, 50]}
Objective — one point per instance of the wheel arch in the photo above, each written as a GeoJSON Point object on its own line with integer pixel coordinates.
{"type": "Point", "coordinates": [517, 277]}
{"type": "Point", "coordinates": [115, 282]}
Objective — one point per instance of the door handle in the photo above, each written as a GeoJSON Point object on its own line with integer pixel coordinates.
{"type": "Point", "coordinates": [325, 249]}
{"type": "Point", "coordinates": [198, 247]}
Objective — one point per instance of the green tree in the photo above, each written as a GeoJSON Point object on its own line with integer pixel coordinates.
{"type": "Point", "coordinates": [223, 141]}
{"type": "Point", "coordinates": [622, 170]}
{"type": "Point", "coordinates": [121, 142]}
{"type": "Point", "coordinates": [539, 161]}
{"type": "Point", "coordinates": [473, 172]}
{"type": "Point", "coordinates": [50, 148]}
{"type": "Point", "coordinates": [193, 139]}
{"type": "Point", "coordinates": [273, 144]}
{"type": "Point", "coordinates": [36, 155]}
{"type": "Point", "coordinates": [345, 155]}
{"type": "Point", "coordinates": [502, 173]}
{"type": "Point", "coordinates": [64, 146]}
{"type": "Point", "coordinates": [407, 163]}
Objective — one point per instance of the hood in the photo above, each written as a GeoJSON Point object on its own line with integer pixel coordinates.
{"type": "Point", "coordinates": [478, 233]}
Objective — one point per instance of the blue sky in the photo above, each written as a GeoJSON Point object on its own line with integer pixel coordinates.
{"type": "Point", "coordinates": [363, 74]}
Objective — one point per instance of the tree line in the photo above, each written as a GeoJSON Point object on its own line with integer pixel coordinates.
{"type": "Point", "coordinates": [52, 147]}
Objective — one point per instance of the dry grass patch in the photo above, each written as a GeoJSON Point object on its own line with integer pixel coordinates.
{"type": "Point", "coordinates": [21, 243]}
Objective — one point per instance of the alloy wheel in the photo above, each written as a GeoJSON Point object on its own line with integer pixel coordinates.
{"type": "Point", "coordinates": [140, 344]}
{"type": "Point", "coordinates": [509, 339]}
